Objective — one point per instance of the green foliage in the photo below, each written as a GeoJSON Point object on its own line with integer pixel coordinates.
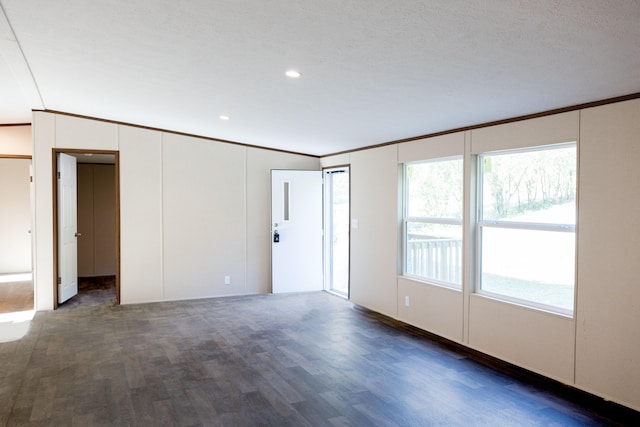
{"type": "Point", "coordinates": [435, 189]}
{"type": "Point", "coordinates": [518, 183]}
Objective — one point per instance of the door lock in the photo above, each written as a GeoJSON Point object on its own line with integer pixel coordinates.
{"type": "Point", "coordinates": [276, 236]}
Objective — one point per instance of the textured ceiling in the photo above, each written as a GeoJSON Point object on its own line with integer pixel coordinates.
{"type": "Point", "coordinates": [373, 71]}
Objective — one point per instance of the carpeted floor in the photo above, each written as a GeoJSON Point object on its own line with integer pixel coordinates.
{"type": "Point", "coordinates": [92, 291]}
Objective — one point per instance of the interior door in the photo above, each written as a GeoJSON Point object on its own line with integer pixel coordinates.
{"type": "Point", "coordinates": [296, 230]}
{"type": "Point", "coordinates": [67, 228]}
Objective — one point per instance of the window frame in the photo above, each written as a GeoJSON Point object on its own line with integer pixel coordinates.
{"type": "Point", "coordinates": [481, 223]}
{"type": "Point", "coordinates": [406, 219]}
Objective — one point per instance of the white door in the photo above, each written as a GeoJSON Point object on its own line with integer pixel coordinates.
{"type": "Point", "coordinates": [67, 228]}
{"type": "Point", "coordinates": [296, 230]}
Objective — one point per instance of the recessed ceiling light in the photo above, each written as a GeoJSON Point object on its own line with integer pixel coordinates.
{"type": "Point", "coordinates": [293, 74]}
{"type": "Point", "coordinates": [223, 117]}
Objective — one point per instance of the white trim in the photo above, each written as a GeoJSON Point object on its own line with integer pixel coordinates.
{"type": "Point", "coordinates": [516, 225]}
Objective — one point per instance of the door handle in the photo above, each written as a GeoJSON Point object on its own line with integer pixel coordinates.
{"type": "Point", "coordinates": [276, 236]}
{"type": "Point", "coordinates": [78, 234]}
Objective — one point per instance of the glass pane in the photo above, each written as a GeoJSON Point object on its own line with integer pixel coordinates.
{"type": "Point", "coordinates": [534, 186]}
{"type": "Point", "coordinates": [285, 199]}
{"type": "Point", "coordinates": [434, 189]}
{"type": "Point", "coordinates": [531, 265]}
{"type": "Point", "coordinates": [434, 251]}
{"type": "Point", "coordinates": [340, 232]}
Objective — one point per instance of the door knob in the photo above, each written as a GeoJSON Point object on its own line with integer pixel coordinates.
{"type": "Point", "coordinates": [78, 234]}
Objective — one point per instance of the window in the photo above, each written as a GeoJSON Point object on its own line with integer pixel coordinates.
{"type": "Point", "coordinates": [526, 226]}
{"type": "Point", "coordinates": [433, 221]}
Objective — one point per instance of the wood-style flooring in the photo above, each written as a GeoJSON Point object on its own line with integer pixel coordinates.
{"type": "Point", "coordinates": [16, 296]}
{"type": "Point", "coordinates": [269, 360]}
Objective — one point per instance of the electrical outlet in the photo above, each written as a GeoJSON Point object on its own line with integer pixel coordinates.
{"type": "Point", "coordinates": [227, 280]}
{"type": "Point", "coordinates": [407, 302]}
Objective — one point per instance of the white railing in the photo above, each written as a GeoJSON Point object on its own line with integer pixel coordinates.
{"type": "Point", "coordinates": [434, 258]}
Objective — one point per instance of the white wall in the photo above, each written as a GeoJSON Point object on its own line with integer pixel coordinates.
{"type": "Point", "coordinates": [204, 217]}
{"type": "Point", "coordinates": [374, 241]}
{"type": "Point", "coordinates": [15, 140]}
{"type": "Point", "coordinates": [43, 142]}
{"type": "Point", "coordinates": [539, 341]}
{"type": "Point", "coordinates": [191, 212]}
{"type": "Point", "coordinates": [434, 308]}
{"type": "Point", "coordinates": [15, 216]}
{"type": "Point", "coordinates": [62, 132]}
{"type": "Point", "coordinates": [608, 299]}
{"type": "Point", "coordinates": [141, 267]}
{"type": "Point", "coordinates": [597, 350]}
{"type": "Point", "coordinates": [258, 191]}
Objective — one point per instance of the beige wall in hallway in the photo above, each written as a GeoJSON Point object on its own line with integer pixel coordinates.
{"type": "Point", "coordinates": [15, 140]}
{"type": "Point", "coordinates": [15, 216]}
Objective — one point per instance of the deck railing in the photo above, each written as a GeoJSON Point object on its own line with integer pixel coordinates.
{"type": "Point", "coordinates": [434, 258]}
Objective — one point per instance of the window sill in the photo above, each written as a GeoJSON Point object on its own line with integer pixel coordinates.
{"type": "Point", "coordinates": [423, 281]}
{"type": "Point", "coordinates": [523, 305]}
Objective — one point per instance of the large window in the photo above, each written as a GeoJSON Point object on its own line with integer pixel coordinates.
{"type": "Point", "coordinates": [526, 226]}
{"type": "Point", "coordinates": [433, 221]}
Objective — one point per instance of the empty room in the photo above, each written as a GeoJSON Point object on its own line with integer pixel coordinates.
{"type": "Point", "coordinates": [319, 213]}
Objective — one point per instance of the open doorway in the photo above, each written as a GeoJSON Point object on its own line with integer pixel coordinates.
{"type": "Point", "coordinates": [336, 230]}
{"type": "Point", "coordinates": [16, 282]}
{"type": "Point", "coordinates": [86, 228]}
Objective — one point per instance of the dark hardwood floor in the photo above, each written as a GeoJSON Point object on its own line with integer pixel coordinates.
{"type": "Point", "coordinates": [272, 360]}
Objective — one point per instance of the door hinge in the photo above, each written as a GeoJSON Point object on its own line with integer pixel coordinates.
{"type": "Point", "coordinates": [30, 179]}
{"type": "Point", "coordinates": [59, 280]}
{"type": "Point", "coordinates": [58, 175]}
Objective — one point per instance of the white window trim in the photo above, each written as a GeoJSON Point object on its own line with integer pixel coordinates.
{"type": "Point", "coordinates": [426, 220]}
{"type": "Point", "coordinates": [481, 223]}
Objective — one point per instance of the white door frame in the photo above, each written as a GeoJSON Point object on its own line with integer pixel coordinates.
{"type": "Point", "coordinates": [328, 231]}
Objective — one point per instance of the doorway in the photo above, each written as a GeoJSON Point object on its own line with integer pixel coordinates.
{"type": "Point", "coordinates": [16, 281]}
{"type": "Point", "coordinates": [86, 228]}
{"type": "Point", "coordinates": [336, 230]}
